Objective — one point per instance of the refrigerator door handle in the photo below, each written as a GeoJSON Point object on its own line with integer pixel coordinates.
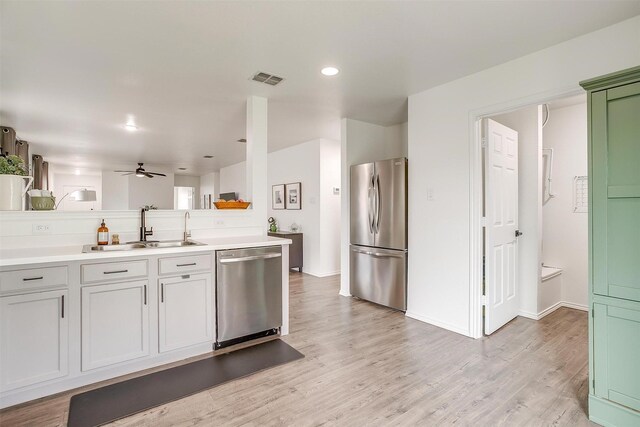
{"type": "Point", "coordinates": [378, 203]}
{"type": "Point", "coordinates": [370, 212]}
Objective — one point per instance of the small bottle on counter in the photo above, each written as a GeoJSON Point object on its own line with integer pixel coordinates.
{"type": "Point", "coordinates": [103, 234]}
{"type": "Point", "coordinates": [115, 239]}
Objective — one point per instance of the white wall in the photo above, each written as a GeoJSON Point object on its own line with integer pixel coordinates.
{"type": "Point", "coordinates": [316, 164]}
{"type": "Point", "coordinates": [300, 163]}
{"type": "Point", "coordinates": [115, 191]}
{"type": "Point", "coordinates": [330, 209]}
{"type": "Point", "coordinates": [360, 143]}
{"type": "Point", "coordinates": [441, 132]}
{"type": "Point", "coordinates": [565, 233]}
{"type": "Point", "coordinates": [527, 122]}
{"type": "Point", "coordinates": [79, 228]}
{"type": "Point", "coordinates": [233, 178]}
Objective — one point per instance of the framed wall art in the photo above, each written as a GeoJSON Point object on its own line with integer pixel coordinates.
{"type": "Point", "coordinates": [294, 195]}
{"type": "Point", "coordinates": [278, 196]}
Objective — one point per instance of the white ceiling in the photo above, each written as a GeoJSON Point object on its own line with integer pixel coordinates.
{"type": "Point", "coordinates": [72, 72]}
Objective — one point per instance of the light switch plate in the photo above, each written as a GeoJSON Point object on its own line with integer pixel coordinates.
{"type": "Point", "coordinates": [430, 194]}
{"type": "Point", "coordinates": [336, 191]}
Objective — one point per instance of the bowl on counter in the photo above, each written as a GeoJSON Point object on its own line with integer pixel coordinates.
{"type": "Point", "coordinates": [231, 205]}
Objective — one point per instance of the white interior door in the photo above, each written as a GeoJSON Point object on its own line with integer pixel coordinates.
{"type": "Point", "coordinates": [501, 224]}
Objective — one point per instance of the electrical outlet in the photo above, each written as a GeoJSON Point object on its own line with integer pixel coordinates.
{"type": "Point", "coordinates": [41, 229]}
{"type": "Point", "coordinates": [219, 222]}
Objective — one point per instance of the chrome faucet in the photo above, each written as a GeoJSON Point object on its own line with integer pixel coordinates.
{"type": "Point", "coordinates": [186, 233]}
{"type": "Point", "coordinates": [143, 228]}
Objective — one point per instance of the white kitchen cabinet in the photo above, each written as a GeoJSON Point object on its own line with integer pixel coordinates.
{"type": "Point", "coordinates": [34, 338]}
{"type": "Point", "coordinates": [115, 323]}
{"type": "Point", "coordinates": [185, 311]}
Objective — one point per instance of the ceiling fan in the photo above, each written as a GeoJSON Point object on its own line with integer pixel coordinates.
{"type": "Point", "coordinates": [141, 173]}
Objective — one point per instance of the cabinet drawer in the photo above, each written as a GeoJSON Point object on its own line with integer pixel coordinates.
{"type": "Point", "coordinates": [110, 271]}
{"type": "Point", "coordinates": [182, 264]}
{"type": "Point", "coordinates": [33, 278]}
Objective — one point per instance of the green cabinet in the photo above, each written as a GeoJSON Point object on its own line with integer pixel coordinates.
{"type": "Point", "coordinates": [616, 343]}
{"type": "Point", "coordinates": [614, 255]}
{"type": "Point", "coordinates": [615, 126]}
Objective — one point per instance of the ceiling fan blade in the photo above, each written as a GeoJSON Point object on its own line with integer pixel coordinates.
{"type": "Point", "coordinates": [128, 173]}
{"type": "Point", "coordinates": [124, 171]}
{"type": "Point", "coordinates": [156, 173]}
{"type": "Point", "coordinates": [147, 174]}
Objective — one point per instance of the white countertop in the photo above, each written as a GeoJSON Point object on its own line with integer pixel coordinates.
{"type": "Point", "coordinates": [24, 256]}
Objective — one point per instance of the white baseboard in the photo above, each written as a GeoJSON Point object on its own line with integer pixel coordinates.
{"type": "Point", "coordinates": [315, 274]}
{"type": "Point", "coordinates": [575, 306]}
{"type": "Point", "coordinates": [438, 323]}
{"type": "Point", "coordinates": [549, 310]}
{"type": "Point", "coordinates": [344, 294]}
{"type": "Point", "coordinates": [528, 315]}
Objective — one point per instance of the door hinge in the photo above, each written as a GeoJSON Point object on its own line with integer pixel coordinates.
{"type": "Point", "coordinates": [593, 314]}
{"type": "Point", "coordinates": [593, 382]}
{"type": "Point", "coordinates": [483, 221]}
{"type": "Point", "coordinates": [483, 142]}
{"type": "Point", "coordinates": [483, 299]}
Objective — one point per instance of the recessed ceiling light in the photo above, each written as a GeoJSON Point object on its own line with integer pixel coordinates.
{"type": "Point", "coordinates": [131, 127]}
{"type": "Point", "coordinates": [208, 156]}
{"type": "Point", "coordinates": [330, 71]}
{"type": "Point", "coordinates": [242, 140]}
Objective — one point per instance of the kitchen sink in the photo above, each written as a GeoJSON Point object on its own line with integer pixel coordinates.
{"type": "Point", "coordinates": [173, 244]}
{"type": "Point", "coordinates": [140, 245]}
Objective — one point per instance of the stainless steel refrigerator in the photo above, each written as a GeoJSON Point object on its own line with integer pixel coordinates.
{"type": "Point", "coordinates": [378, 250]}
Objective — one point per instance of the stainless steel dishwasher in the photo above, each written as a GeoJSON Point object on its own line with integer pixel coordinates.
{"type": "Point", "coordinates": [248, 294]}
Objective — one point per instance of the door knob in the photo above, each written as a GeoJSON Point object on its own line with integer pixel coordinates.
{"type": "Point", "coordinates": [519, 233]}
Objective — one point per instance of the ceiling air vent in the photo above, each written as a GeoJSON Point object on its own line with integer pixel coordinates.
{"type": "Point", "coordinates": [267, 78]}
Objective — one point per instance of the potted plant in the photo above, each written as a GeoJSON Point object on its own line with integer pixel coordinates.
{"type": "Point", "coordinates": [12, 183]}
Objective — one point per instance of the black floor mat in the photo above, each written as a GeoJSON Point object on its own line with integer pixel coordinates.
{"type": "Point", "coordinates": [112, 402]}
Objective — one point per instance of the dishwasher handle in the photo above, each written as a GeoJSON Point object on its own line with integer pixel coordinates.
{"type": "Point", "coordinates": [249, 258]}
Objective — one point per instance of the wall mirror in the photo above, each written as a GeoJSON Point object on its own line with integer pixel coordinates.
{"type": "Point", "coordinates": [132, 168]}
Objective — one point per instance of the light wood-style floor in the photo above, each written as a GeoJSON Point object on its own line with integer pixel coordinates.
{"type": "Point", "coordinates": [368, 365]}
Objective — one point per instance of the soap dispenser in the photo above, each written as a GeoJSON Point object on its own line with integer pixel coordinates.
{"type": "Point", "coordinates": [103, 234]}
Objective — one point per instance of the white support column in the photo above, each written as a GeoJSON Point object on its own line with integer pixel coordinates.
{"type": "Point", "coordinates": [345, 230]}
{"type": "Point", "coordinates": [257, 157]}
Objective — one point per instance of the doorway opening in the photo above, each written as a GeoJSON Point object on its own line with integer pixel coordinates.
{"type": "Point", "coordinates": [534, 242]}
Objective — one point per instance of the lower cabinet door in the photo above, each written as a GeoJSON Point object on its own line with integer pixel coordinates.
{"type": "Point", "coordinates": [115, 323]}
{"type": "Point", "coordinates": [34, 338]}
{"type": "Point", "coordinates": [616, 357]}
{"type": "Point", "coordinates": [185, 311]}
